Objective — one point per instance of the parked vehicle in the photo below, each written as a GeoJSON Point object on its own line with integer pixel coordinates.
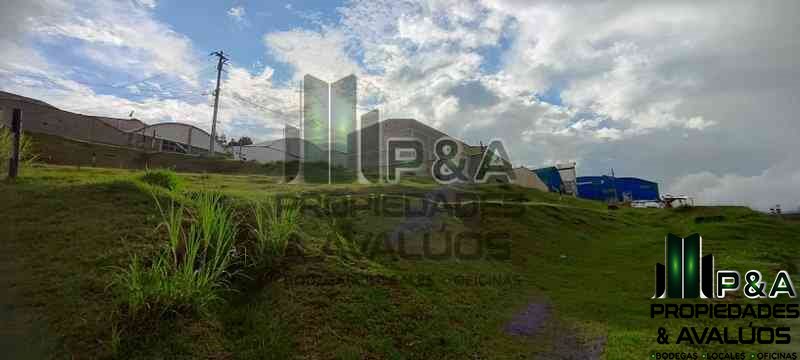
{"type": "Point", "coordinates": [641, 204]}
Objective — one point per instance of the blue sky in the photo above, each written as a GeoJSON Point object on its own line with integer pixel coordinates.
{"type": "Point", "coordinates": [652, 89]}
{"type": "Point", "coordinates": [243, 38]}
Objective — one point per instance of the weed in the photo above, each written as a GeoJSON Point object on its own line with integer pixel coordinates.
{"type": "Point", "coordinates": [116, 338]}
{"type": "Point", "coordinates": [215, 231]}
{"type": "Point", "coordinates": [193, 269]}
{"type": "Point", "coordinates": [342, 247]}
{"type": "Point", "coordinates": [26, 154]}
{"type": "Point", "coordinates": [164, 178]}
{"type": "Point", "coordinates": [172, 222]}
{"type": "Point", "coordinates": [275, 223]}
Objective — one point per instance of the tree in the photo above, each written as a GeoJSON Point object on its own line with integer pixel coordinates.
{"type": "Point", "coordinates": [244, 141]}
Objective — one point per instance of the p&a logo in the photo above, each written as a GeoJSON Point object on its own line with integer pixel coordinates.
{"type": "Point", "coordinates": [687, 274]}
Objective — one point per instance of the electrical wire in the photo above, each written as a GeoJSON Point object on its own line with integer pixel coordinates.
{"type": "Point", "coordinates": [238, 97]}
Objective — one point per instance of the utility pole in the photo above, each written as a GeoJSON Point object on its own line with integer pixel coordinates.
{"type": "Point", "coordinates": [614, 183]}
{"type": "Point", "coordinates": [221, 62]}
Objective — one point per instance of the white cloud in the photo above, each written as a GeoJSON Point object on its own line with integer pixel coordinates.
{"type": "Point", "coordinates": [257, 101]}
{"type": "Point", "coordinates": [237, 13]}
{"type": "Point", "coordinates": [613, 67]}
{"type": "Point", "coordinates": [321, 53]}
{"type": "Point", "coordinates": [777, 184]}
{"type": "Point", "coordinates": [16, 19]}
{"type": "Point", "coordinates": [121, 40]}
{"type": "Point", "coordinates": [698, 123]}
{"type": "Point", "coordinates": [447, 106]}
{"type": "Point", "coordinates": [125, 37]}
{"type": "Point", "coordinates": [148, 3]}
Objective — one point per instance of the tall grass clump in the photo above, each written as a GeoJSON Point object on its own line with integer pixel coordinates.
{"type": "Point", "coordinates": [217, 229]}
{"type": "Point", "coordinates": [26, 154]}
{"type": "Point", "coordinates": [164, 178]}
{"type": "Point", "coordinates": [192, 270]}
{"type": "Point", "coordinates": [275, 223]}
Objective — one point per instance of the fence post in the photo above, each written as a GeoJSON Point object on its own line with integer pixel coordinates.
{"type": "Point", "coordinates": [16, 129]}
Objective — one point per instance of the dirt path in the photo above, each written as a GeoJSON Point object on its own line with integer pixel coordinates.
{"type": "Point", "coordinates": [536, 321]}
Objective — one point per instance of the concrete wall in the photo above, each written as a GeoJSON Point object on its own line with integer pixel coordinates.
{"type": "Point", "coordinates": [57, 150]}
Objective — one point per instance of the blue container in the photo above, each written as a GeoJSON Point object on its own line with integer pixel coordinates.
{"type": "Point", "coordinates": [636, 189]}
{"type": "Point", "coordinates": [606, 188]}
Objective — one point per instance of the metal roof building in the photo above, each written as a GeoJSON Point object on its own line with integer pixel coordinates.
{"type": "Point", "coordinates": [40, 117]}
{"type": "Point", "coordinates": [605, 188]}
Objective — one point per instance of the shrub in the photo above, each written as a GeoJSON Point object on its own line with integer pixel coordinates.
{"type": "Point", "coordinates": [26, 154]}
{"type": "Point", "coordinates": [164, 178]}
{"type": "Point", "coordinates": [191, 271]}
{"type": "Point", "coordinates": [274, 226]}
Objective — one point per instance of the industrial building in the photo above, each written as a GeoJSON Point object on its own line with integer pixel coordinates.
{"type": "Point", "coordinates": [40, 117]}
{"type": "Point", "coordinates": [284, 149]}
{"type": "Point", "coordinates": [620, 189]}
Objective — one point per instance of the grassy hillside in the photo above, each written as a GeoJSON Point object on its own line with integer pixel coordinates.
{"type": "Point", "coordinates": [576, 282]}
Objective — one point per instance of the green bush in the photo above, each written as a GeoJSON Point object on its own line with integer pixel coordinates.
{"type": "Point", "coordinates": [164, 178]}
{"type": "Point", "coordinates": [26, 154]}
{"type": "Point", "coordinates": [193, 269]}
{"type": "Point", "coordinates": [273, 228]}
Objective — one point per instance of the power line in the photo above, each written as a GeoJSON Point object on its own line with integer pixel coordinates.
{"type": "Point", "coordinates": [101, 85]}
{"type": "Point", "coordinates": [238, 97]}
{"type": "Point", "coordinates": [159, 89]}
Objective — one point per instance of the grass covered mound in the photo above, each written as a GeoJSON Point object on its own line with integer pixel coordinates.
{"type": "Point", "coordinates": [164, 178]}
{"type": "Point", "coordinates": [211, 271]}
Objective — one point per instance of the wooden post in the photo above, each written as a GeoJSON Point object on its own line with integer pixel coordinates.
{"type": "Point", "coordinates": [189, 141]}
{"type": "Point", "coordinates": [16, 129]}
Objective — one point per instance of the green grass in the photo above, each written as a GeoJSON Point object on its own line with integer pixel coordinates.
{"type": "Point", "coordinates": [164, 178]}
{"type": "Point", "coordinates": [191, 272]}
{"type": "Point", "coordinates": [276, 220]}
{"type": "Point", "coordinates": [68, 231]}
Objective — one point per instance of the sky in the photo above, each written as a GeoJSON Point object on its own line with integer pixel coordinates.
{"type": "Point", "coordinates": [701, 97]}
